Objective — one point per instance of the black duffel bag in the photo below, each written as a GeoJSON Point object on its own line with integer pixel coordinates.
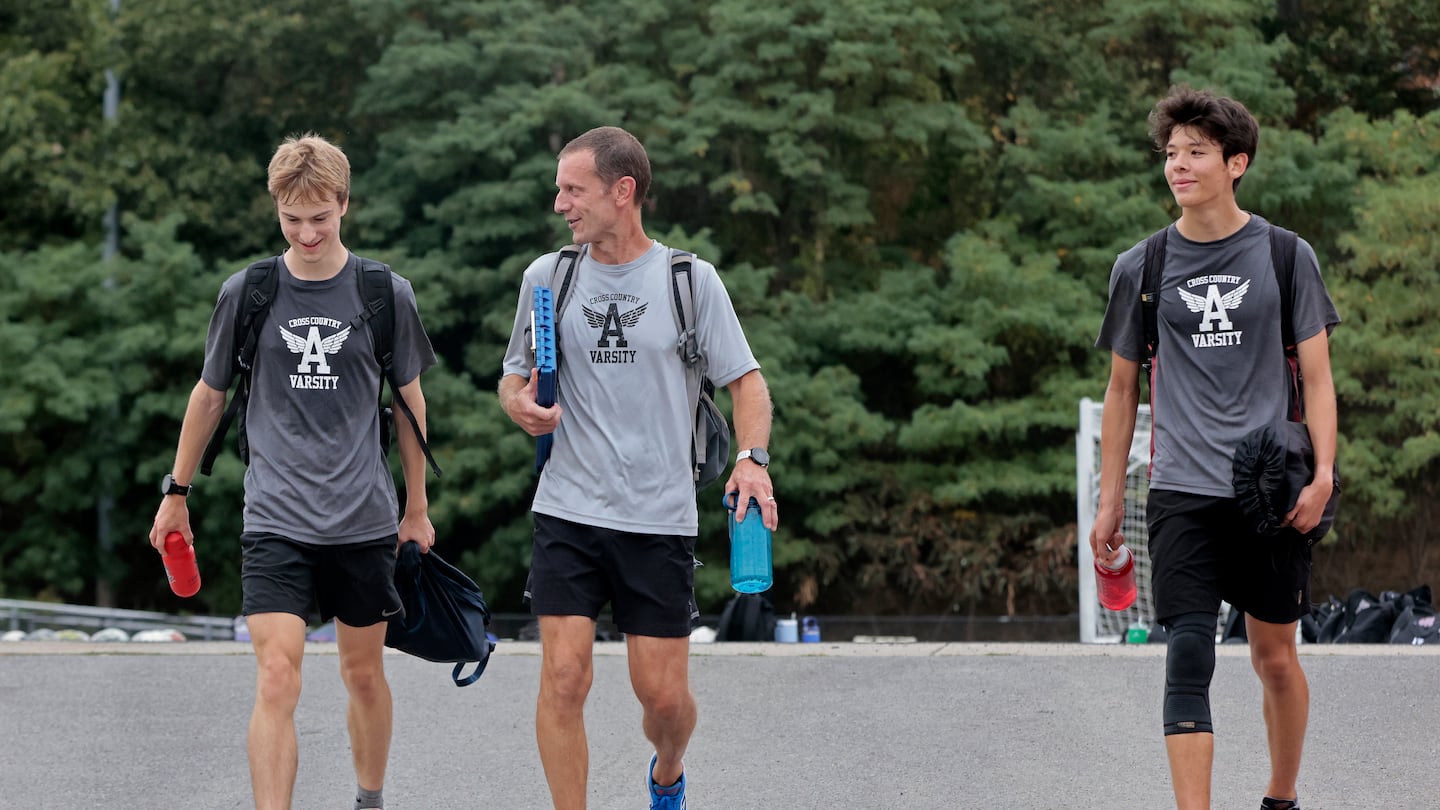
{"type": "Point", "coordinates": [444, 617]}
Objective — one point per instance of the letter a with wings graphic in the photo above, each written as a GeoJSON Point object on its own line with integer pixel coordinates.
{"type": "Point", "coordinates": [312, 348]}
{"type": "Point", "coordinates": [1213, 305]}
{"type": "Point", "coordinates": [612, 324]}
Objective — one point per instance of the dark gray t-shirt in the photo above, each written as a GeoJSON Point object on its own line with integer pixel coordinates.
{"type": "Point", "coordinates": [1220, 366]}
{"type": "Point", "coordinates": [621, 454]}
{"type": "Point", "coordinates": [317, 473]}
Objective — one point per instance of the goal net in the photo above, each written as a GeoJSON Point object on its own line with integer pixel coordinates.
{"type": "Point", "coordinates": [1096, 623]}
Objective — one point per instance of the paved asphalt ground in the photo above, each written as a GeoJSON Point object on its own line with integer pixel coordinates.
{"type": "Point", "coordinates": [848, 726]}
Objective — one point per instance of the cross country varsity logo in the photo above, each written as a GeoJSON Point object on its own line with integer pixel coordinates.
{"type": "Point", "coordinates": [313, 370]}
{"type": "Point", "coordinates": [1216, 328]}
{"type": "Point", "coordinates": [612, 323]}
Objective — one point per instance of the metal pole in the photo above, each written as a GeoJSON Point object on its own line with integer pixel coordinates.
{"type": "Point", "coordinates": [105, 498]}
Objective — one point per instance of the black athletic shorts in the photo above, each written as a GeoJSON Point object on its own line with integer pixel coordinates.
{"type": "Point", "coordinates": [1201, 553]}
{"type": "Point", "coordinates": [648, 579]}
{"type": "Point", "coordinates": [354, 583]}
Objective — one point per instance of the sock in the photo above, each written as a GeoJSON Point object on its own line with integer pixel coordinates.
{"type": "Point", "coordinates": [369, 799]}
{"type": "Point", "coordinates": [666, 790]}
{"type": "Point", "coordinates": [1272, 803]}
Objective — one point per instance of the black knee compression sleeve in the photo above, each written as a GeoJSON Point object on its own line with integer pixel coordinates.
{"type": "Point", "coordinates": [1189, 665]}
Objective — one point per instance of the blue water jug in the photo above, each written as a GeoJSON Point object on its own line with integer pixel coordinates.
{"type": "Point", "coordinates": [810, 630]}
{"type": "Point", "coordinates": [750, 565]}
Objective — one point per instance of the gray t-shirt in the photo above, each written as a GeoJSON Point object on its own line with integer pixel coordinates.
{"type": "Point", "coordinates": [1220, 366]}
{"type": "Point", "coordinates": [621, 458]}
{"type": "Point", "coordinates": [317, 473]}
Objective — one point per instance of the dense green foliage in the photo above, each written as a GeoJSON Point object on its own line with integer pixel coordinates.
{"type": "Point", "coordinates": [914, 206]}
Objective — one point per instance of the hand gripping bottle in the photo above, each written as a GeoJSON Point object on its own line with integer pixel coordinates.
{"type": "Point", "coordinates": [1116, 586]}
{"type": "Point", "coordinates": [180, 565]}
{"type": "Point", "coordinates": [750, 570]}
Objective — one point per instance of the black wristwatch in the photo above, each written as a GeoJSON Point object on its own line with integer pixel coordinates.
{"type": "Point", "coordinates": [168, 486]}
{"type": "Point", "coordinates": [755, 454]}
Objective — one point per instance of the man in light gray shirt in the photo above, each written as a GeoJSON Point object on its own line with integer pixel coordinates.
{"type": "Point", "coordinates": [614, 511]}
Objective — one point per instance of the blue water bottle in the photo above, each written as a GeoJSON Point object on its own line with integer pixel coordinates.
{"type": "Point", "coordinates": [750, 570]}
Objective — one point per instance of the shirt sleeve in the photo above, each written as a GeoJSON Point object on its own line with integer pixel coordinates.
{"type": "Point", "coordinates": [413, 354]}
{"type": "Point", "coordinates": [1123, 329]}
{"type": "Point", "coordinates": [219, 370]}
{"type": "Point", "coordinates": [518, 357]}
{"type": "Point", "coordinates": [717, 328]}
{"type": "Point", "coordinates": [1312, 308]}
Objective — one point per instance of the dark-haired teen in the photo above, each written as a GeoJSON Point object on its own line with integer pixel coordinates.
{"type": "Point", "coordinates": [1219, 371]}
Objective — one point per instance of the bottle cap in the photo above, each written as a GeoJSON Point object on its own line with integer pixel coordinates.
{"type": "Point", "coordinates": [1120, 561]}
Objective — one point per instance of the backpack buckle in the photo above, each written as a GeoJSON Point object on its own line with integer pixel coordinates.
{"type": "Point", "coordinates": [688, 348]}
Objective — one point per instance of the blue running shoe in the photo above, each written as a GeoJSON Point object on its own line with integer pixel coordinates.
{"type": "Point", "coordinates": [666, 798]}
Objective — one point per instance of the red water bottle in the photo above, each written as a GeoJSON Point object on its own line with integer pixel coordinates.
{"type": "Point", "coordinates": [1116, 586]}
{"type": "Point", "coordinates": [180, 565]}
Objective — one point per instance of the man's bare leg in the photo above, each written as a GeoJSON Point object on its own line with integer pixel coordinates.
{"type": "Point", "coordinates": [1191, 758]}
{"type": "Point", "coordinates": [1276, 660]}
{"type": "Point", "coordinates": [368, 713]}
{"type": "Point", "coordinates": [660, 675]}
{"type": "Point", "coordinates": [279, 643]}
{"type": "Point", "coordinates": [567, 646]}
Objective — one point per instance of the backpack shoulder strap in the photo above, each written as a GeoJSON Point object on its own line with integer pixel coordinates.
{"type": "Point", "coordinates": [1150, 292]}
{"type": "Point", "coordinates": [564, 272]}
{"type": "Point", "coordinates": [377, 293]}
{"type": "Point", "coordinates": [262, 279]}
{"type": "Point", "coordinates": [682, 270]}
{"type": "Point", "coordinates": [682, 266]}
{"type": "Point", "coordinates": [1283, 244]}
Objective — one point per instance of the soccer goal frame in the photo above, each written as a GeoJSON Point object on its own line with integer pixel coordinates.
{"type": "Point", "coordinates": [1098, 624]}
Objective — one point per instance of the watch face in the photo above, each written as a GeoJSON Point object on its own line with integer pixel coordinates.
{"type": "Point", "coordinates": [759, 456]}
{"type": "Point", "coordinates": [169, 487]}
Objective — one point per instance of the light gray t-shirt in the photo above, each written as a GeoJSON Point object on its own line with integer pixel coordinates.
{"type": "Point", "coordinates": [317, 473]}
{"type": "Point", "coordinates": [621, 457]}
{"type": "Point", "coordinates": [1220, 367]}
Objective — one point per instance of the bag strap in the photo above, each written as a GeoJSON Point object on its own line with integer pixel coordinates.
{"type": "Point", "coordinates": [262, 279]}
{"type": "Point", "coordinates": [1150, 293]}
{"type": "Point", "coordinates": [472, 677]}
{"type": "Point", "coordinates": [377, 292]}
{"type": "Point", "coordinates": [1283, 245]}
{"type": "Point", "coordinates": [682, 265]}
{"type": "Point", "coordinates": [569, 258]}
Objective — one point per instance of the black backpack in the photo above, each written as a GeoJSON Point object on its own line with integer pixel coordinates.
{"type": "Point", "coordinates": [747, 617]}
{"type": "Point", "coordinates": [262, 279]}
{"type": "Point", "coordinates": [1282, 255]}
{"type": "Point", "coordinates": [710, 440]}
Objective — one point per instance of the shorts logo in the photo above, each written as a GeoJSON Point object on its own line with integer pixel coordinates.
{"type": "Point", "coordinates": [385, 614]}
